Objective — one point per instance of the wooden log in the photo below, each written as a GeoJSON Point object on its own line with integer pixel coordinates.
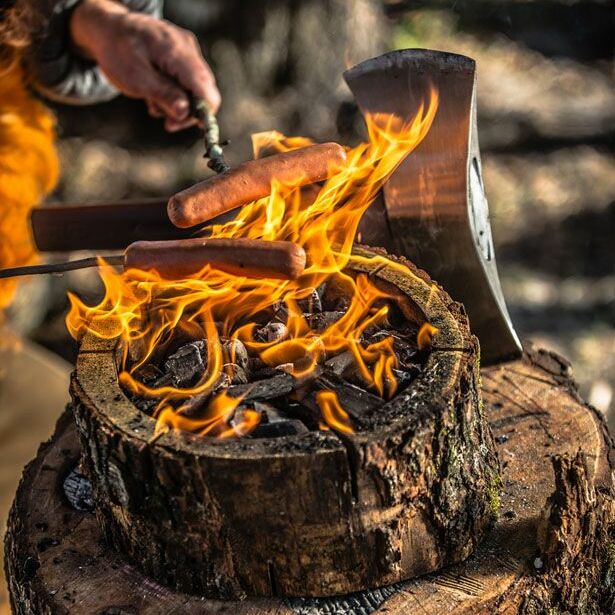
{"type": "Point", "coordinates": [313, 514]}
{"type": "Point", "coordinates": [57, 561]}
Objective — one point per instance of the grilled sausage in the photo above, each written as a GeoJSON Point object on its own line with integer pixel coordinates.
{"type": "Point", "coordinates": [251, 181]}
{"type": "Point", "coordinates": [251, 258]}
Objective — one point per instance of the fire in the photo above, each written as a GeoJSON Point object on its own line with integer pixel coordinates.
{"type": "Point", "coordinates": [144, 310]}
{"type": "Point", "coordinates": [29, 171]}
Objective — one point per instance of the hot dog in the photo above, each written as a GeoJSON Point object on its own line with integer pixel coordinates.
{"type": "Point", "coordinates": [252, 258]}
{"type": "Point", "coordinates": [251, 181]}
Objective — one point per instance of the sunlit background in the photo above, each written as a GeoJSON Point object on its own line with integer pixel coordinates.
{"type": "Point", "coordinates": [546, 121]}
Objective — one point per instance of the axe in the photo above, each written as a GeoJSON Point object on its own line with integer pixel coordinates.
{"type": "Point", "coordinates": [433, 207]}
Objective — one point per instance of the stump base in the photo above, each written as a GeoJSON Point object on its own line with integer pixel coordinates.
{"type": "Point", "coordinates": [57, 562]}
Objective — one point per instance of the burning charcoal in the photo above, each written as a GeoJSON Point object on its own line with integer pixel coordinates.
{"type": "Point", "coordinates": [280, 311]}
{"type": "Point", "coordinates": [277, 386]}
{"type": "Point", "coordinates": [287, 368]}
{"type": "Point", "coordinates": [186, 364]}
{"type": "Point", "coordinates": [193, 406]}
{"type": "Point", "coordinates": [147, 373]}
{"type": "Point", "coordinates": [341, 363]}
{"type": "Point", "coordinates": [355, 400]}
{"type": "Point", "coordinates": [259, 370]}
{"type": "Point", "coordinates": [242, 417]}
{"type": "Point", "coordinates": [319, 322]}
{"type": "Point", "coordinates": [310, 304]}
{"type": "Point", "coordinates": [235, 352]}
{"type": "Point", "coordinates": [235, 373]}
{"type": "Point", "coordinates": [336, 295]}
{"type": "Point", "coordinates": [166, 380]}
{"type": "Point", "coordinates": [269, 413]}
{"type": "Point", "coordinates": [279, 429]}
{"type": "Point", "coordinates": [272, 332]}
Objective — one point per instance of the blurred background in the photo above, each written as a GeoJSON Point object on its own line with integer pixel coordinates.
{"type": "Point", "coordinates": [546, 103]}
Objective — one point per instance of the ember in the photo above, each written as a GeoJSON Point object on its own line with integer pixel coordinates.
{"type": "Point", "coordinates": [328, 342]}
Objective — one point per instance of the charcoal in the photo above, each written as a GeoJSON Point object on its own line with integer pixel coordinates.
{"type": "Point", "coordinates": [166, 380]}
{"type": "Point", "coordinates": [264, 373]}
{"type": "Point", "coordinates": [78, 491]}
{"type": "Point", "coordinates": [278, 429]}
{"type": "Point", "coordinates": [309, 415]}
{"type": "Point", "coordinates": [323, 320]}
{"type": "Point", "coordinates": [341, 363]}
{"type": "Point", "coordinates": [311, 304]}
{"type": "Point", "coordinates": [279, 385]}
{"type": "Point", "coordinates": [272, 332]}
{"type": "Point", "coordinates": [235, 352]}
{"type": "Point", "coordinates": [269, 413]}
{"type": "Point", "coordinates": [147, 373]}
{"type": "Point", "coordinates": [406, 350]}
{"type": "Point", "coordinates": [287, 368]}
{"type": "Point", "coordinates": [280, 311]}
{"type": "Point", "coordinates": [185, 365]}
{"type": "Point", "coordinates": [335, 295]}
{"type": "Point", "coordinates": [304, 379]}
{"type": "Point", "coordinates": [255, 364]}
{"type": "Point", "coordinates": [235, 373]}
{"type": "Point", "coordinates": [239, 419]}
{"type": "Point", "coordinates": [197, 403]}
{"type": "Point", "coordinates": [355, 400]}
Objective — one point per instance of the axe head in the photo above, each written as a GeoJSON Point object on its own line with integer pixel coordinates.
{"type": "Point", "coordinates": [433, 207]}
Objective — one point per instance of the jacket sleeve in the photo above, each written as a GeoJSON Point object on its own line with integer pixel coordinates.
{"type": "Point", "coordinates": [57, 71]}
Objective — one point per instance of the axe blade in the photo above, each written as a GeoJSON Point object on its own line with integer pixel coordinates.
{"type": "Point", "coordinates": [433, 208]}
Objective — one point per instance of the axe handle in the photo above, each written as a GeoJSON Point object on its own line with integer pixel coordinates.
{"type": "Point", "coordinates": [111, 226]}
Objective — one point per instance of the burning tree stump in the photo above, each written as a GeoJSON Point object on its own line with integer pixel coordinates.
{"type": "Point", "coordinates": [549, 550]}
{"type": "Point", "coordinates": [313, 514]}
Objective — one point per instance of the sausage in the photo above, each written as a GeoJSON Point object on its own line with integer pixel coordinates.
{"type": "Point", "coordinates": [251, 181]}
{"type": "Point", "coordinates": [253, 258]}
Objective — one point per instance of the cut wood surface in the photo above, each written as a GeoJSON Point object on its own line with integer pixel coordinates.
{"type": "Point", "coordinates": [58, 563]}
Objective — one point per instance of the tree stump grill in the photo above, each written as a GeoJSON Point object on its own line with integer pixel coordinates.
{"type": "Point", "coordinates": [310, 515]}
{"type": "Point", "coordinates": [58, 562]}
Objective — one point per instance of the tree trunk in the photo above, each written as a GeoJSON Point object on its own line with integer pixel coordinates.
{"type": "Point", "coordinates": [58, 563]}
{"type": "Point", "coordinates": [317, 514]}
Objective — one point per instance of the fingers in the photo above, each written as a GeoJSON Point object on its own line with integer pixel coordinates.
{"type": "Point", "coordinates": [170, 124]}
{"type": "Point", "coordinates": [178, 54]}
{"type": "Point", "coordinates": [165, 97]}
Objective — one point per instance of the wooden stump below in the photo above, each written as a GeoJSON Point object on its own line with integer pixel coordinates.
{"type": "Point", "coordinates": [57, 562]}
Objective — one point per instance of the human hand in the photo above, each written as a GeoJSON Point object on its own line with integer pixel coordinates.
{"type": "Point", "coordinates": [144, 57]}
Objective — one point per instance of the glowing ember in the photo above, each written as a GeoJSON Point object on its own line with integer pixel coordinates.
{"type": "Point", "coordinates": [145, 310]}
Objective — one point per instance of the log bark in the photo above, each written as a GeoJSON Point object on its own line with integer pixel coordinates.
{"type": "Point", "coordinates": [314, 514]}
{"type": "Point", "coordinates": [57, 561]}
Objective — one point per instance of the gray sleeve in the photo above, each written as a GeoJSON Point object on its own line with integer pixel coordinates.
{"type": "Point", "coordinates": [58, 72]}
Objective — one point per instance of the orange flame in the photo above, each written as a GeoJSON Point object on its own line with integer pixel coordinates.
{"type": "Point", "coordinates": [426, 332]}
{"type": "Point", "coordinates": [144, 310]}
{"type": "Point", "coordinates": [335, 416]}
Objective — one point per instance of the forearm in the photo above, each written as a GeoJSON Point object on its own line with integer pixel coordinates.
{"type": "Point", "coordinates": [56, 67]}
